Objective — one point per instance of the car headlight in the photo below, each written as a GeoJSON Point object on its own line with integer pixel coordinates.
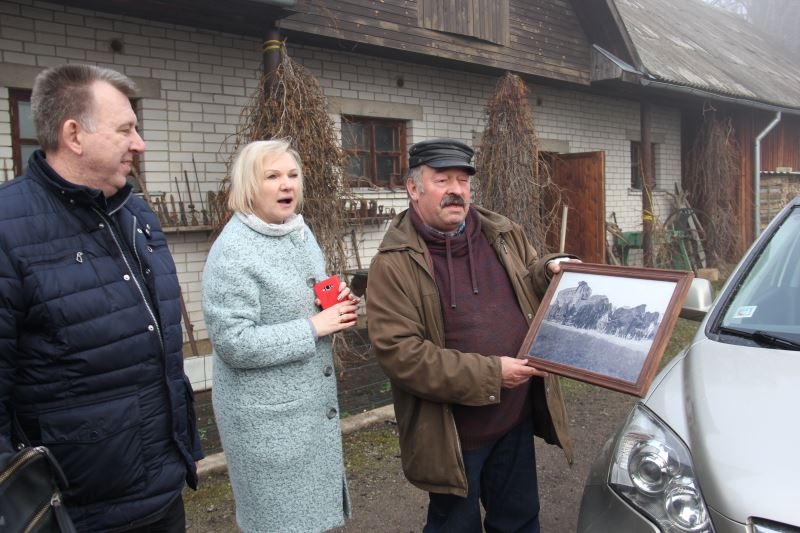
{"type": "Point", "coordinates": [652, 469]}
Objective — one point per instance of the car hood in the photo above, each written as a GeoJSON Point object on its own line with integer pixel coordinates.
{"type": "Point", "coordinates": [738, 410]}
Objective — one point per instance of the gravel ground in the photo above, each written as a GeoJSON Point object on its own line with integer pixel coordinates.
{"type": "Point", "coordinates": [383, 501]}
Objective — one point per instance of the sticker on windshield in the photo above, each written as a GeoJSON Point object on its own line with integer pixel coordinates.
{"type": "Point", "coordinates": [746, 311]}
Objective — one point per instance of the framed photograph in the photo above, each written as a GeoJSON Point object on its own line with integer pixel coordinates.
{"type": "Point", "coordinates": [606, 325]}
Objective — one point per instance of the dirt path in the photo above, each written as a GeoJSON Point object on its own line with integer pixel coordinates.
{"type": "Point", "coordinates": [383, 501]}
{"type": "Point", "coordinates": [594, 414]}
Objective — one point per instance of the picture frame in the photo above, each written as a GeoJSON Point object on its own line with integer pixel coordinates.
{"type": "Point", "coordinates": [606, 325]}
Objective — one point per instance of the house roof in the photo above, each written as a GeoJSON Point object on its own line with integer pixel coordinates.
{"type": "Point", "coordinates": [691, 45]}
{"type": "Point", "coordinates": [240, 17]}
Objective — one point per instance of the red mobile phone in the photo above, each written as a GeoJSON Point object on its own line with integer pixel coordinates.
{"type": "Point", "coordinates": [327, 291]}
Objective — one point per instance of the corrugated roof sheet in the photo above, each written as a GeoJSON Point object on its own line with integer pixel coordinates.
{"type": "Point", "coordinates": [693, 44]}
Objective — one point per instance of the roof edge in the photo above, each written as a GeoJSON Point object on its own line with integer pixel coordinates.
{"type": "Point", "coordinates": [694, 91]}
{"type": "Point", "coordinates": [627, 73]}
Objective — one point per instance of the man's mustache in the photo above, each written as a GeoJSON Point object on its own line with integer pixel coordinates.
{"type": "Point", "coordinates": [452, 199]}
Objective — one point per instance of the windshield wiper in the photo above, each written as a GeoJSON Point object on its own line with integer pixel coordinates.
{"type": "Point", "coordinates": [737, 332]}
{"type": "Point", "coordinates": [762, 337]}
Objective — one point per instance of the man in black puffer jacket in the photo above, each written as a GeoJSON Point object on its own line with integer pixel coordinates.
{"type": "Point", "coordinates": [90, 334]}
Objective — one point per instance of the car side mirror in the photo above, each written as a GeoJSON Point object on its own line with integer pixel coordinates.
{"type": "Point", "coordinates": [698, 300]}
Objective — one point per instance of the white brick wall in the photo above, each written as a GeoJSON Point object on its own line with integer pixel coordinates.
{"type": "Point", "coordinates": [206, 78]}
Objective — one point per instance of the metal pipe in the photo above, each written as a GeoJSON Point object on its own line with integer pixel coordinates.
{"type": "Point", "coordinates": [757, 175]}
{"type": "Point", "coordinates": [271, 54]}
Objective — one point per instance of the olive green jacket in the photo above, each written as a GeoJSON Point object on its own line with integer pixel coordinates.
{"type": "Point", "coordinates": [407, 333]}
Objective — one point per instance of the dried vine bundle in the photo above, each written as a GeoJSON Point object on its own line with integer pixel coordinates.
{"type": "Point", "coordinates": [290, 103]}
{"type": "Point", "coordinates": [511, 179]}
{"type": "Point", "coordinates": [713, 173]}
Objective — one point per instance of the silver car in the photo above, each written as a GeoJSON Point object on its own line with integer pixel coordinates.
{"type": "Point", "coordinates": [715, 444]}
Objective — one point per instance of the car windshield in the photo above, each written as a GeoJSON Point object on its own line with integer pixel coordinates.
{"type": "Point", "coordinates": [766, 305]}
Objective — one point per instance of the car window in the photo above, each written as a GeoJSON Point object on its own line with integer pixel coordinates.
{"type": "Point", "coordinates": [768, 296]}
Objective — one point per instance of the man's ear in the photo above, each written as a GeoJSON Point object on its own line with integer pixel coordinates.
{"type": "Point", "coordinates": [411, 187]}
{"type": "Point", "coordinates": [71, 136]}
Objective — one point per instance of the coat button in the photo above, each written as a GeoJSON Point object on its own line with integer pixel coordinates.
{"type": "Point", "coordinates": [150, 249]}
{"type": "Point", "coordinates": [492, 397]}
{"type": "Point", "coordinates": [101, 225]}
{"type": "Point", "coordinates": [139, 230]}
{"type": "Point", "coordinates": [126, 277]}
{"type": "Point", "coordinates": [146, 271]}
{"type": "Point", "coordinates": [530, 316]}
{"type": "Point", "coordinates": [331, 412]}
{"type": "Point", "coordinates": [151, 327]}
{"type": "Point", "coordinates": [328, 371]}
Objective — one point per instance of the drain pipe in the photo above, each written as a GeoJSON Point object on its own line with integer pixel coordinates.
{"type": "Point", "coordinates": [757, 175]}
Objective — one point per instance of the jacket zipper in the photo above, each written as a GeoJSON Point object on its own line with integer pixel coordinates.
{"type": "Point", "coordinates": [460, 454]}
{"type": "Point", "coordinates": [28, 455]}
{"type": "Point", "coordinates": [53, 502]}
{"type": "Point", "coordinates": [523, 305]}
{"type": "Point", "coordinates": [135, 251]}
{"type": "Point", "coordinates": [503, 244]}
{"type": "Point", "coordinates": [130, 270]}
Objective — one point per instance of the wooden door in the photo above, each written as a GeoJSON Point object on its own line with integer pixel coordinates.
{"type": "Point", "coordinates": [581, 178]}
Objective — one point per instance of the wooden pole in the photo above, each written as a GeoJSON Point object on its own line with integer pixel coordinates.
{"type": "Point", "coordinates": [563, 237]}
{"type": "Point", "coordinates": [189, 327]}
{"type": "Point", "coordinates": [648, 184]}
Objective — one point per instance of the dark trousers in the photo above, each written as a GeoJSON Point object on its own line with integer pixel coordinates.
{"type": "Point", "coordinates": [502, 476]}
{"type": "Point", "coordinates": [172, 521]}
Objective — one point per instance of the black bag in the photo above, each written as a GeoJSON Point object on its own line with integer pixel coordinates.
{"type": "Point", "coordinates": [30, 499]}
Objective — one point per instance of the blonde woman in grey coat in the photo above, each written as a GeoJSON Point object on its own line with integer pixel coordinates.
{"type": "Point", "coordinates": [274, 390]}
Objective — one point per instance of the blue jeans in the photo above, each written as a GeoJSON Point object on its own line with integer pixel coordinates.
{"type": "Point", "coordinates": [502, 476]}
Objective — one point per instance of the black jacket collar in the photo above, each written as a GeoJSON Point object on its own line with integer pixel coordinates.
{"type": "Point", "coordinates": [41, 171]}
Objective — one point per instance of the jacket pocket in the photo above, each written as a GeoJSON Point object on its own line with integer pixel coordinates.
{"type": "Point", "coordinates": [99, 447]}
{"type": "Point", "coordinates": [59, 259]}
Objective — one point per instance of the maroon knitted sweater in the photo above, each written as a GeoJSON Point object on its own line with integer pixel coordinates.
{"type": "Point", "coordinates": [481, 315]}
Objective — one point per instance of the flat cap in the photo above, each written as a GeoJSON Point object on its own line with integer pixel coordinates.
{"type": "Point", "coordinates": [441, 153]}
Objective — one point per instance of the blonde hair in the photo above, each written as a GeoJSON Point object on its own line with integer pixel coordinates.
{"type": "Point", "coordinates": [248, 168]}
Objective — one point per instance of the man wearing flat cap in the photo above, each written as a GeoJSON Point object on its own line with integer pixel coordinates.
{"type": "Point", "coordinates": [452, 292]}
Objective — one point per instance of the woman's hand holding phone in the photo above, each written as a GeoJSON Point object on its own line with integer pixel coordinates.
{"type": "Point", "coordinates": [338, 307]}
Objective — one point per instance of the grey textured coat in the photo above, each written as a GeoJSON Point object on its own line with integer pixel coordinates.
{"type": "Point", "coordinates": [274, 391]}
